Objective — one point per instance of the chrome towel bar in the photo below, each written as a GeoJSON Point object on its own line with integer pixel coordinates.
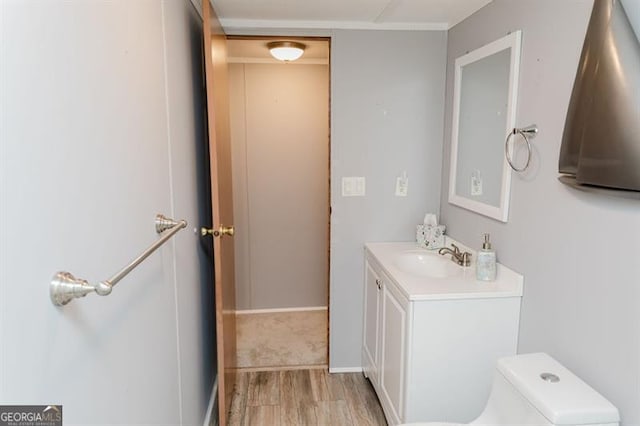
{"type": "Point", "coordinates": [64, 287]}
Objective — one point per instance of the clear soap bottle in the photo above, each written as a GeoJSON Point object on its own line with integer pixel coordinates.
{"type": "Point", "coordinates": [486, 262]}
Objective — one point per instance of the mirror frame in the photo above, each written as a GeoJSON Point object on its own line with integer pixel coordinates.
{"type": "Point", "coordinates": [512, 41]}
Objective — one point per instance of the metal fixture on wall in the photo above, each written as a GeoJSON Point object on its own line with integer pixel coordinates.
{"type": "Point", "coordinates": [527, 134]}
{"type": "Point", "coordinates": [64, 287]}
{"type": "Point", "coordinates": [286, 51]}
{"type": "Point", "coordinates": [601, 142]}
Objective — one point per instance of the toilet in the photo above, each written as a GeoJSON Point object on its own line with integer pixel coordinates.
{"type": "Point", "coordinates": [535, 390]}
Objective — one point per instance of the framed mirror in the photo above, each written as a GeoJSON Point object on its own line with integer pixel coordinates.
{"type": "Point", "coordinates": [484, 109]}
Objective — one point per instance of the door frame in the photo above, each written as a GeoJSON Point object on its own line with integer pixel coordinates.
{"type": "Point", "coordinates": [328, 263]}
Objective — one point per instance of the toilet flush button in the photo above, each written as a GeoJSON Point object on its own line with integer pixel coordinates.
{"type": "Point", "coordinates": [550, 377]}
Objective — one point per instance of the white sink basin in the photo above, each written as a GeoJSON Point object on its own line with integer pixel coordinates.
{"type": "Point", "coordinates": [422, 274]}
{"type": "Point", "coordinates": [426, 264]}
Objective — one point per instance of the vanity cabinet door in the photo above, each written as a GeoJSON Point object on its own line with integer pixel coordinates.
{"type": "Point", "coordinates": [392, 356]}
{"type": "Point", "coordinates": [371, 332]}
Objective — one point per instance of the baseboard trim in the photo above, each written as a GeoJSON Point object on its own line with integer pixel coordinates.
{"type": "Point", "coordinates": [277, 310]}
{"type": "Point", "coordinates": [212, 408]}
{"type": "Point", "coordinates": [345, 370]}
{"type": "Point", "coordinates": [282, 368]}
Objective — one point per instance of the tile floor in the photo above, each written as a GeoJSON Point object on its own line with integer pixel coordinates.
{"type": "Point", "coordinates": [304, 397]}
{"type": "Point", "coordinates": [283, 379]}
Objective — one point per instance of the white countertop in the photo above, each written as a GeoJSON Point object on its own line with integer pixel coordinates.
{"type": "Point", "coordinates": [460, 285]}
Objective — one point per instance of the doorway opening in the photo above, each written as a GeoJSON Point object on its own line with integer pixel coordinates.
{"type": "Point", "coordinates": [280, 150]}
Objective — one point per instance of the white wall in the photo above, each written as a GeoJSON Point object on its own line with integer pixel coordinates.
{"type": "Point", "coordinates": [280, 156]}
{"type": "Point", "coordinates": [576, 250]}
{"type": "Point", "coordinates": [100, 114]}
{"type": "Point", "coordinates": [387, 94]}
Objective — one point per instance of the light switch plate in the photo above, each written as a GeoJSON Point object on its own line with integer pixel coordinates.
{"type": "Point", "coordinates": [359, 192]}
{"type": "Point", "coordinates": [353, 186]}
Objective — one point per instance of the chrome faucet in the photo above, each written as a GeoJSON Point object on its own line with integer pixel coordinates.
{"type": "Point", "coordinates": [462, 259]}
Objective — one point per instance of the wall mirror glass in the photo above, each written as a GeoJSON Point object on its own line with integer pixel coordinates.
{"type": "Point", "coordinates": [484, 106]}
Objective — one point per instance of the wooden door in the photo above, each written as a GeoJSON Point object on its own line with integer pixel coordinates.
{"type": "Point", "coordinates": [215, 49]}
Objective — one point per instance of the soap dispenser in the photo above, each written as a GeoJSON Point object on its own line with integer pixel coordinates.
{"type": "Point", "coordinates": [486, 261]}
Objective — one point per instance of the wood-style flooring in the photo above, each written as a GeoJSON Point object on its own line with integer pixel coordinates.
{"type": "Point", "coordinates": [304, 397]}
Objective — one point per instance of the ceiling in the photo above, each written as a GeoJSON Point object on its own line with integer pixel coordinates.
{"type": "Point", "coordinates": [345, 14]}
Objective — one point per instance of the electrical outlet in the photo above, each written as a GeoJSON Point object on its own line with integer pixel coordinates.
{"type": "Point", "coordinates": [402, 186]}
{"type": "Point", "coordinates": [476, 183]}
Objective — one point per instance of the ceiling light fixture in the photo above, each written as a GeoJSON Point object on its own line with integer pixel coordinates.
{"type": "Point", "coordinates": [286, 51]}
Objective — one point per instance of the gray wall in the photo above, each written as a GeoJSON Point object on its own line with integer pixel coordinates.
{"type": "Point", "coordinates": [577, 251]}
{"type": "Point", "coordinates": [101, 111]}
{"type": "Point", "coordinates": [280, 156]}
{"type": "Point", "coordinates": [632, 8]}
{"type": "Point", "coordinates": [387, 93]}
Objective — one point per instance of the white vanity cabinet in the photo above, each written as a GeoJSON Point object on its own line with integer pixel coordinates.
{"type": "Point", "coordinates": [372, 313]}
{"type": "Point", "coordinates": [430, 347]}
{"type": "Point", "coordinates": [384, 348]}
{"type": "Point", "coordinates": [393, 348]}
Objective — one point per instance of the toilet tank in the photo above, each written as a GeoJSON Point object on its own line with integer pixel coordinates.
{"type": "Point", "coordinates": [555, 392]}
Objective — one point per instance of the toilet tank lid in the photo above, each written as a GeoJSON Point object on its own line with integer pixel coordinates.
{"type": "Point", "coordinates": [566, 401]}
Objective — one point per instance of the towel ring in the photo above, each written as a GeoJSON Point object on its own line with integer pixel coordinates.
{"type": "Point", "coordinates": [527, 133]}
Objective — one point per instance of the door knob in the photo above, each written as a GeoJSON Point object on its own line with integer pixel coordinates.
{"type": "Point", "coordinates": [224, 230]}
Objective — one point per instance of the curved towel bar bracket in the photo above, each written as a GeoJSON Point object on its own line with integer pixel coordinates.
{"type": "Point", "coordinates": [64, 287]}
{"type": "Point", "coordinates": [527, 133]}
